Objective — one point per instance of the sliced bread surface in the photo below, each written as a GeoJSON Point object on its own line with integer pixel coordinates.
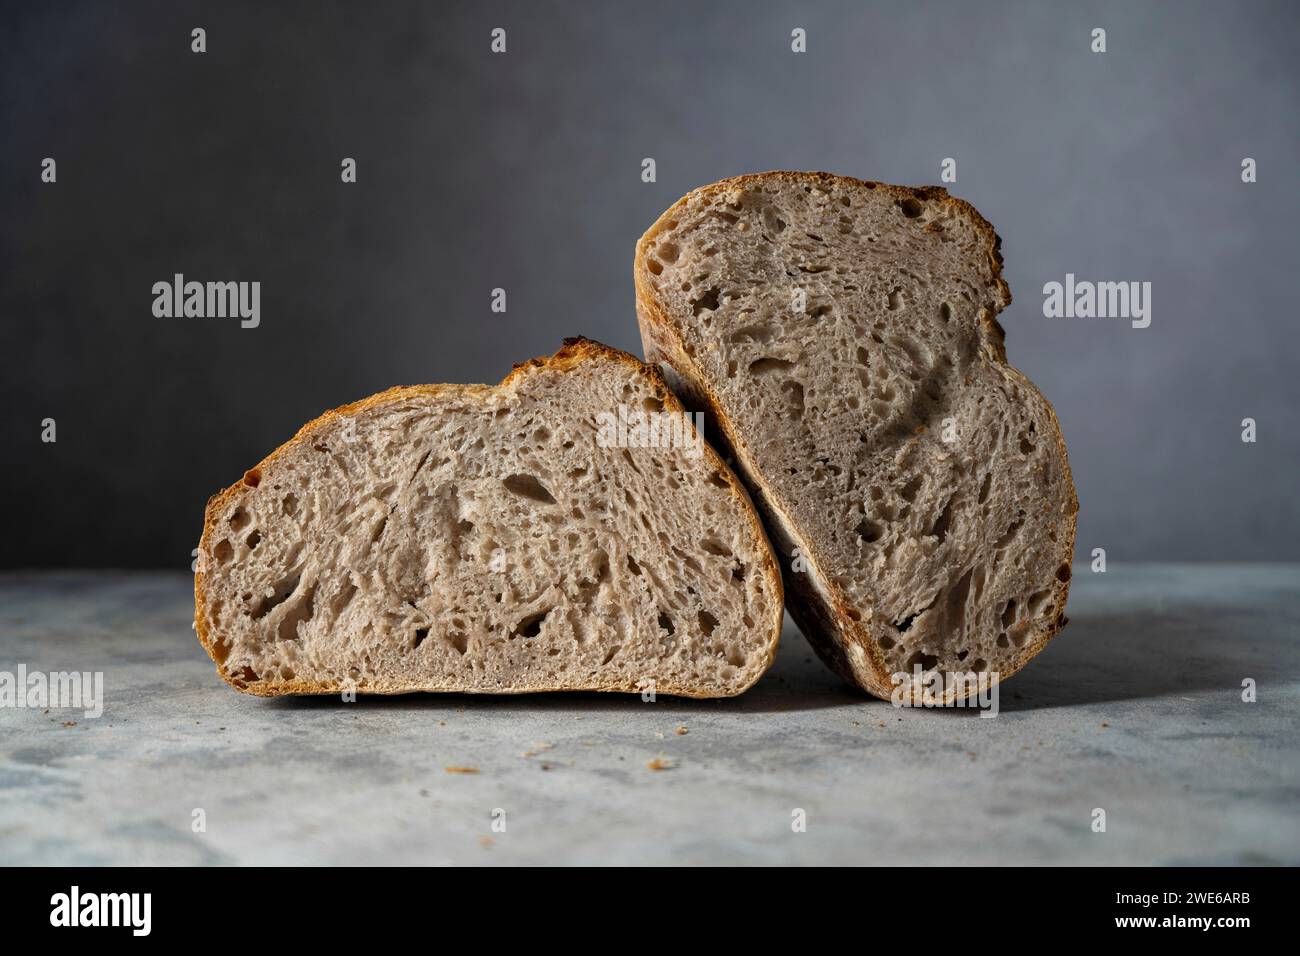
{"type": "Point", "coordinates": [916, 485]}
{"type": "Point", "coordinates": [492, 540]}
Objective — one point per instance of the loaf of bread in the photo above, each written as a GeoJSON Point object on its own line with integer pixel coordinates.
{"type": "Point", "coordinates": [916, 486]}
{"type": "Point", "coordinates": [522, 537]}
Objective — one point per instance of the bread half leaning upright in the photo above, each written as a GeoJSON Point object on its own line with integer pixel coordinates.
{"type": "Point", "coordinates": [564, 530]}
{"type": "Point", "coordinates": [916, 486]}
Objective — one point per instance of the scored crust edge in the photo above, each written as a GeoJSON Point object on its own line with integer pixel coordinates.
{"type": "Point", "coordinates": [811, 594]}
{"type": "Point", "coordinates": [575, 351]}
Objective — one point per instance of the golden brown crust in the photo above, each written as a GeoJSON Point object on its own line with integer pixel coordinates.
{"type": "Point", "coordinates": [574, 352]}
{"type": "Point", "coordinates": [828, 632]}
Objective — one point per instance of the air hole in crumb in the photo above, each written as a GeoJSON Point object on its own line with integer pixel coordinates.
{"type": "Point", "coordinates": [223, 551]}
{"type": "Point", "coordinates": [420, 634]}
{"type": "Point", "coordinates": [708, 302]}
{"type": "Point", "coordinates": [768, 364]}
{"type": "Point", "coordinates": [942, 523]}
{"type": "Point", "coordinates": [220, 648]}
{"type": "Point", "coordinates": [714, 546]}
{"type": "Point", "coordinates": [1036, 602]}
{"type": "Point", "coordinates": [239, 520]}
{"type": "Point", "coordinates": [632, 565]}
{"type": "Point", "coordinates": [945, 311]}
{"type": "Point", "coordinates": [984, 488]}
{"type": "Point", "coordinates": [526, 486]}
{"type": "Point", "coordinates": [1002, 641]}
{"type": "Point", "coordinates": [530, 626]}
{"type": "Point", "coordinates": [928, 662]}
{"type": "Point", "coordinates": [244, 676]}
{"type": "Point", "coordinates": [895, 300]}
{"type": "Point", "coordinates": [707, 623]}
{"type": "Point", "coordinates": [654, 267]}
{"type": "Point", "coordinates": [1009, 613]}
{"type": "Point", "coordinates": [668, 252]}
{"type": "Point", "coordinates": [869, 531]}
{"type": "Point", "coordinates": [252, 478]}
{"type": "Point", "coordinates": [911, 207]}
{"type": "Point", "coordinates": [254, 539]}
{"type": "Point", "coordinates": [980, 665]}
{"type": "Point", "coordinates": [290, 504]}
{"type": "Point", "coordinates": [298, 614]}
{"type": "Point", "coordinates": [343, 598]}
{"type": "Point", "coordinates": [1063, 573]}
{"type": "Point", "coordinates": [666, 623]}
{"type": "Point", "coordinates": [652, 404]}
{"type": "Point", "coordinates": [278, 596]}
{"type": "Point", "coordinates": [1013, 529]}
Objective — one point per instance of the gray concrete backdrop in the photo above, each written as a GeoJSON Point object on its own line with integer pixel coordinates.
{"type": "Point", "coordinates": [1135, 708]}
{"type": "Point", "coordinates": [523, 171]}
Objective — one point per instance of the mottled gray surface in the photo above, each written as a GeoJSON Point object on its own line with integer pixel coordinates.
{"type": "Point", "coordinates": [1136, 708]}
{"type": "Point", "coordinates": [522, 171]}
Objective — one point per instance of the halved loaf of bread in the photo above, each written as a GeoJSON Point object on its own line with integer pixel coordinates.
{"type": "Point", "coordinates": [493, 540]}
{"type": "Point", "coordinates": [914, 483]}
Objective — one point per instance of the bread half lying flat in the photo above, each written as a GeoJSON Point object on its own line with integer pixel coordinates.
{"type": "Point", "coordinates": [915, 484]}
{"type": "Point", "coordinates": [492, 540]}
